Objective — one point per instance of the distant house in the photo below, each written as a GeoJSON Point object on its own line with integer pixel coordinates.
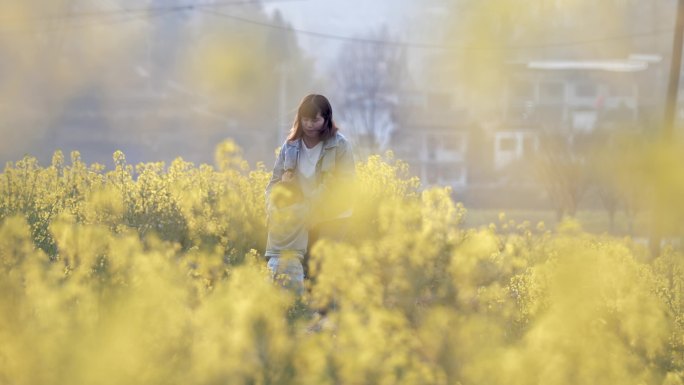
{"type": "Point", "coordinates": [573, 93]}
{"type": "Point", "coordinates": [445, 145]}
{"type": "Point", "coordinates": [513, 144]}
{"type": "Point", "coordinates": [433, 138]}
{"type": "Point", "coordinates": [572, 97]}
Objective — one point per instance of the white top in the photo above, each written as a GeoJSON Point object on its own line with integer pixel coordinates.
{"type": "Point", "coordinates": [306, 167]}
{"type": "Point", "coordinates": [308, 158]}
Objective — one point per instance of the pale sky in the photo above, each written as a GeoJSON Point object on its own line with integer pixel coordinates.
{"type": "Point", "coordinates": [345, 18]}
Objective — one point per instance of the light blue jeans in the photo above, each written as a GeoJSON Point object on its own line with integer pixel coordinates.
{"type": "Point", "coordinates": [288, 272]}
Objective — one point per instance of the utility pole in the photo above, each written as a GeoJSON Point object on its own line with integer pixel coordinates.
{"type": "Point", "coordinates": [669, 118]}
{"type": "Point", "coordinates": [675, 67]}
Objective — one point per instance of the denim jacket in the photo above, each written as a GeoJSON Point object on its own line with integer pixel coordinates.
{"type": "Point", "coordinates": [335, 171]}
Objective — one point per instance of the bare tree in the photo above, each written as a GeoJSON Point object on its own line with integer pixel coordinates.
{"type": "Point", "coordinates": [368, 78]}
{"type": "Point", "coordinates": [563, 171]}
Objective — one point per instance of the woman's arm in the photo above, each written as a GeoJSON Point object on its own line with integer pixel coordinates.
{"type": "Point", "coordinates": [277, 174]}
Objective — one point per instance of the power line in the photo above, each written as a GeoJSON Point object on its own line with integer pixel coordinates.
{"type": "Point", "coordinates": [153, 12]}
{"type": "Point", "coordinates": [408, 44]}
{"type": "Point", "coordinates": [323, 34]}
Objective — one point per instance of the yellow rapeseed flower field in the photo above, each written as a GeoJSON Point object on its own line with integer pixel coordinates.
{"type": "Point", "coordinates": [152, 274]}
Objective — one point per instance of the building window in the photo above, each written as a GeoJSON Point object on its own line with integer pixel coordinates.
{"type": "Point", "coordinates": [452, 143]}
{"type": "Point", "coordinates": [584, 120]}
{"type": "Point", "coordinates": [443, 147]}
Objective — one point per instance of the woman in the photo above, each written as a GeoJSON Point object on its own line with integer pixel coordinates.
{"type": "Point", "coordinates": [309, 193]}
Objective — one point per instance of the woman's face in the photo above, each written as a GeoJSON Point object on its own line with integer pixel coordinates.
{"type": "Point", "coordinates": [312, 126]}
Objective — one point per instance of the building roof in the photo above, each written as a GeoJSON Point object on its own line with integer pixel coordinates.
{"type": "Point", "coordinates": [604, 65]}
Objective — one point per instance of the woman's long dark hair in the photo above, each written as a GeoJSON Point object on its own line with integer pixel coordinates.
{"type": "Point", "coordinates": [309, 107]}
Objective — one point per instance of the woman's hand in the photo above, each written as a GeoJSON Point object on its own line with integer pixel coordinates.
{"type": "Point", "coordinates": [288, 176]}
